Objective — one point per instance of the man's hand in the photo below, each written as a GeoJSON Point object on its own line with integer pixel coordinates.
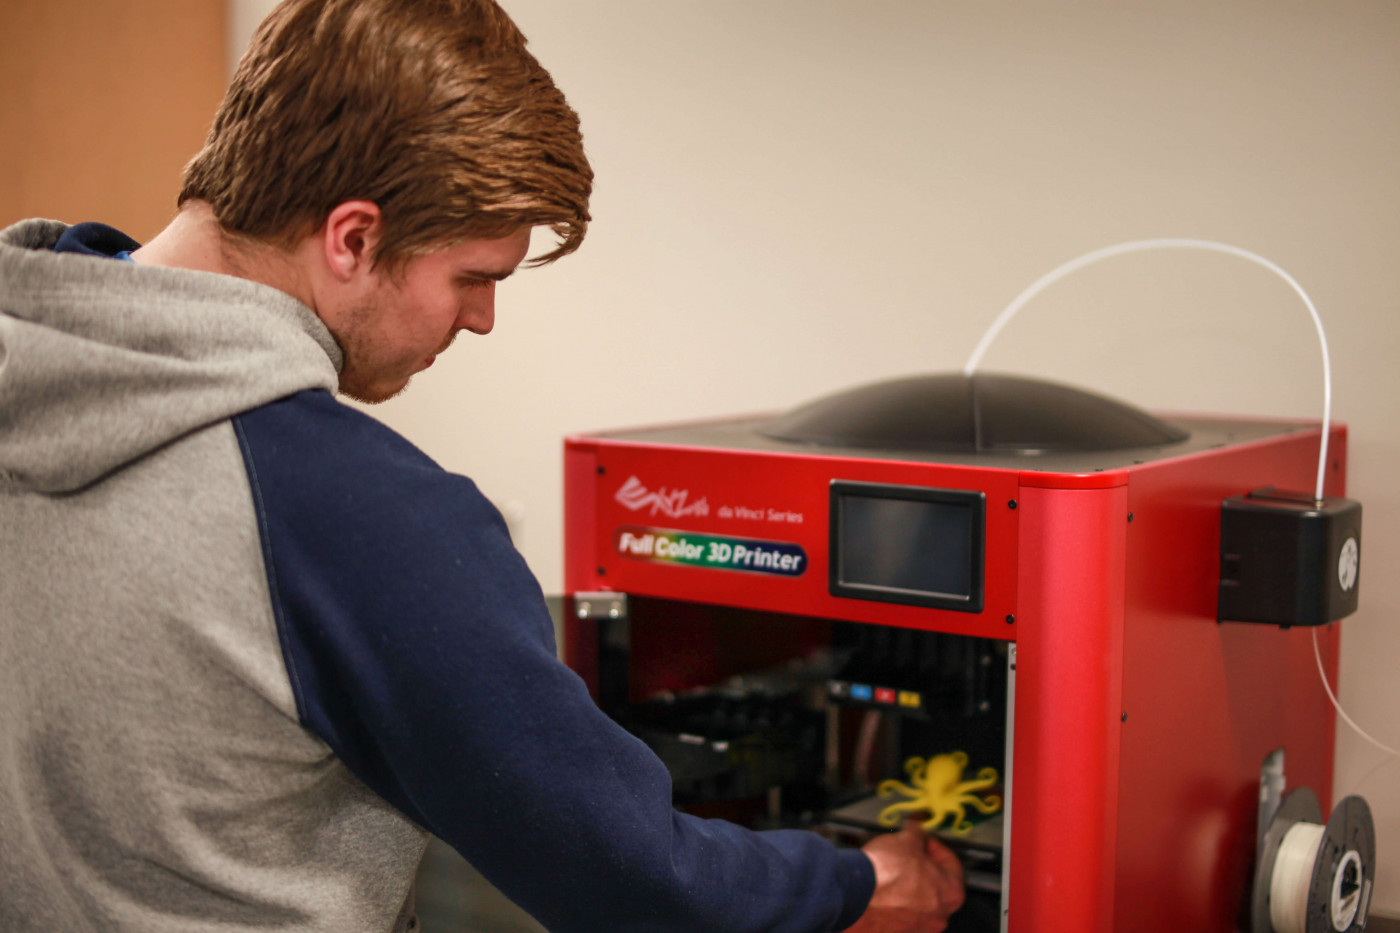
{"type": "Point", "coordinates": [918, 884]}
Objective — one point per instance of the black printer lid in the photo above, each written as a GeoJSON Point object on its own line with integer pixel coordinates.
{"type": "Point", "coordinates": [956, 413]}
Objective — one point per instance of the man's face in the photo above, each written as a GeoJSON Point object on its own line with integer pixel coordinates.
{"type": "Point", "coordinates": [411, 316]}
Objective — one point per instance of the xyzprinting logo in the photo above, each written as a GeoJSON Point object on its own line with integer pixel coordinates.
{"type": "Point", "coordinates": [1347, 564]}
{"type": "Point", "coordinates": [673, 503]}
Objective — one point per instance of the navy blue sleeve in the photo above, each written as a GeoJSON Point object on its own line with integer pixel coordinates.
{"type": "Point", "coordinates": [420, 649]}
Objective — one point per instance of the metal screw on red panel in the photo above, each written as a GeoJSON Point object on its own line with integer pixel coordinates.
{"type": "Point", "coordinates": [1010, 618]}
{"type": "Point", "coordinates": [602, 470]}
{"type": "Point", "coordinates": [1125, 717]}
{"type": "Point", "coordinates": [602, 571]}
{"type": "Point", "coordinates": [1130, 516]}
{"type": "Point", "coordinates": [1011, 504]}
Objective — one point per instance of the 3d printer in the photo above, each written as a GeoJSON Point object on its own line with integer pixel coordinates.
{"type": "Point", "coordinates": [789, 609]}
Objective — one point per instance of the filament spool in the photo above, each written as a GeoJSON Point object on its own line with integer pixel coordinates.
{"type": "Point", "coordinates": [1315, 878]}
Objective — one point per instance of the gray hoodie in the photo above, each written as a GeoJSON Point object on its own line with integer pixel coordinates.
{"type": "Point", "coordinates": [254, 641]}
{"type": "Point", "coordinates": [154, 775]}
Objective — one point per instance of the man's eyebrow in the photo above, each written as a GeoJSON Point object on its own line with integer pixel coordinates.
{"type": "Point", "coordinates": [484, 274]}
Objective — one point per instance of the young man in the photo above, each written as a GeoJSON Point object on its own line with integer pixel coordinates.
{"type": "Point", "coordinates": [255, 644]}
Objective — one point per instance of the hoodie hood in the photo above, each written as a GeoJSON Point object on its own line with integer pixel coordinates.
{"type": "Point", "coordinates": [103, 361]}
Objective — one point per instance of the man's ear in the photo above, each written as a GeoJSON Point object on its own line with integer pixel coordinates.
{"type": "Point", "coordinates": [350, 236]}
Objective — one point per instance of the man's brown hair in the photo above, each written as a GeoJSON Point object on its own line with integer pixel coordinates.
{"type": "Point", "coordinates": [432, 109]}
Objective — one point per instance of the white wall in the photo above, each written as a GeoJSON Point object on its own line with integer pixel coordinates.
{"type": "Point", "coordinates": [794, 197]}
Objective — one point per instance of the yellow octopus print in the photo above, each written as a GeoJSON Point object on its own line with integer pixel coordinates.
{"type": "Point", "coordinates": [938, 787]}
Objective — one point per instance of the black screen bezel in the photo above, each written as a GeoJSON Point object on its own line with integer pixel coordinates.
{"type": "Point", "coordinates": [976, 500]}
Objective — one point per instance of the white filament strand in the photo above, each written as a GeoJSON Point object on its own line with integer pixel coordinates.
{"type": "Point", "coordinates": [1138, 246]}
{"type": "Point", "coordinates": [1317, 655]}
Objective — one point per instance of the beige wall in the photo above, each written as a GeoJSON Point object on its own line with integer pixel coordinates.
{"type": "Point", "coordinates": [103, 104]}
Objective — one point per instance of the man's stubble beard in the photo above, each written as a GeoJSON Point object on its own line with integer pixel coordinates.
{"type": "Point", "coordinates": [354, 347]}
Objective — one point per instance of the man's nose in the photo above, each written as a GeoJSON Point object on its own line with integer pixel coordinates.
{"type": "Point", "coordinates": [478, 313]}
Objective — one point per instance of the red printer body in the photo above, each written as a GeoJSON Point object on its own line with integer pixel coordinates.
{"type": "Point", "coordinates": [1033, 570]}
